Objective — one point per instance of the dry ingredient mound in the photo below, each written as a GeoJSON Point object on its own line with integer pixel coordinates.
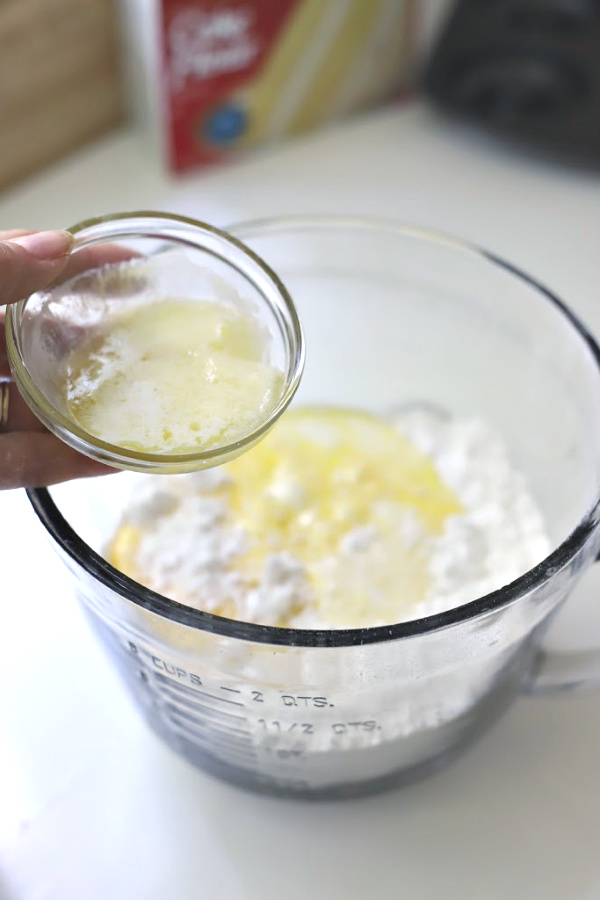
{"type": "Point", "coordinates": [338, 519]}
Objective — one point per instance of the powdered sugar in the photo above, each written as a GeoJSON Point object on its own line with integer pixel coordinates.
{"type": "Point", "coordinates": [282, 588]}
{"type": "Point", "coordinates": [189, 543]}
{"type": "Point", "coordinates": [501, 533]}
{"type": "Point", "coordinates": [186, 548]}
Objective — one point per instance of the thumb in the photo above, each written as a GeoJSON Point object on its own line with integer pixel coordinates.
{"type": "Point", "coordinates": [31, 261]}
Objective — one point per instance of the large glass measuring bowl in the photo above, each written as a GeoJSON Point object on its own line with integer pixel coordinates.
{"type": "Point", "coordinates": [393, 317]}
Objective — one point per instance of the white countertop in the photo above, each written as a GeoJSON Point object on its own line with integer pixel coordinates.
{"type": "Point", "coordinates": [91, 804]}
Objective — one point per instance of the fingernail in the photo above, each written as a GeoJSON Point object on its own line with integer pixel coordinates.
{"type": "Point", "coordinates": [46, 244]}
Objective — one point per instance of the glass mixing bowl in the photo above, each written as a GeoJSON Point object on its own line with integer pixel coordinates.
{"type": "Point", "coordinates": [394, 316]}
{"type": "Point", "coordinates": [154, 256]}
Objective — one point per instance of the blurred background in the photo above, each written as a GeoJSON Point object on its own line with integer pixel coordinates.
{"type": "Point", "coordinates": [60, 80]}
{"type": "Point", "coordinates": [209, 80]}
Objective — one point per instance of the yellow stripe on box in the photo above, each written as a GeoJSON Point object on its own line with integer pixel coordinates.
{"type": "Point", "coordinates": [333, 56]}
{"type": "Point", "coordinates": [262, 96]}
{"type": "Point", "coordinates": [344, 54]}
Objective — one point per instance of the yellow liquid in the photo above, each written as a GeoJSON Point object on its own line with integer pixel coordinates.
{"type": "Point", "coordinates": [173, 376]}
{"type": "Point", "coordinates": [320, 475]}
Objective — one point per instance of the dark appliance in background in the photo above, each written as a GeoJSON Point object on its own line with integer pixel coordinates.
{"type": "Point", "coordinates": [529, 69]}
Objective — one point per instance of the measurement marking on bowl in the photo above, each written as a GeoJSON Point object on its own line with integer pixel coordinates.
{"type": "Point", "coordinates": [238, 734]}
{"type": "Point", "coordinates": [193, 728]}
{"type": "Point", "coordinates": [221, 699]}
{"type": "Point", "coordinates": [208, 727]}
{"type": "Point", "coordinates": [201, 716]}
{"type": "Point", "coordinates": [244, 738]}
{"type": "Point", "coordinates": [213, 738]}
{"type": "Point", "coordinates": [199, 725]}
{"type": "Point", "coordinates": [232, 752]}
{"type": "Point", "coordinates": [203, 693]}
{"type": "Point", "coordinates": [201, 708]}
{"type": "Point", "coordinates": [166, 671]}
{"type": "Point", "coordinates": [176, 695]}
{"type": "Point", "coordinates": [189, 691]}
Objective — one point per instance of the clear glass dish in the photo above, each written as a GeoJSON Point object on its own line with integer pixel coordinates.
{"type": "Point", "coordinates": [394, 316]}
{"type": "Point", "coordinates": [153, 255]}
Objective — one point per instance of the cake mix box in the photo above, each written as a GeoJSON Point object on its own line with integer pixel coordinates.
{"type": "Point", "coordinates": [217, 77]}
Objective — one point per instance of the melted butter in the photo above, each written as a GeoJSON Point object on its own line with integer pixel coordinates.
{"type": "Point", "coordinates": [318, 477]}
{"type": "Point", "coordinates": [173, 376]}
{"type": "Point", "coordinates": [347, 496]}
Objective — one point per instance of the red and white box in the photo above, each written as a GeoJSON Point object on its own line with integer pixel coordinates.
{"type": "Point", "coordinates": [218, 77]}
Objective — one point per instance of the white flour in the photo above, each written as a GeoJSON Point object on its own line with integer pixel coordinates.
{"type": "Point", "coordinates": [188, 547]}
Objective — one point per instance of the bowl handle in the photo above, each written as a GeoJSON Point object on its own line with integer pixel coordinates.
{"type": "Point", "coordinates": [554, 672]}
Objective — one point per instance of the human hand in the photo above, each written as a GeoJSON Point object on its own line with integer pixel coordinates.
{"type": "Point", "coordinates": [29, 455]}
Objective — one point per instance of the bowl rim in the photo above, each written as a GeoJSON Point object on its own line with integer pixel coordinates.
{"type": "Point", "coordinates": [72, 433]}
{"type": "Point", "coordinates": [102, 571]}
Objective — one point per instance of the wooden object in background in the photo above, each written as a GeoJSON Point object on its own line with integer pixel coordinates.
{"type": "Point", "coordinates": [60, 80]}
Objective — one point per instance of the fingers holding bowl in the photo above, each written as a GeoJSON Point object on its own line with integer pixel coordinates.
{"type": "Point", "coordinates": [38, 459]}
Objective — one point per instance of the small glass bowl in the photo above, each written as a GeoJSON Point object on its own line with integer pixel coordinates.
{"type": "Point", "coordinates": [187, 259]}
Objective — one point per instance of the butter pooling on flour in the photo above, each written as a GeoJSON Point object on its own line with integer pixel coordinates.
{"type": "Point", "coordinates": [338, 519]}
